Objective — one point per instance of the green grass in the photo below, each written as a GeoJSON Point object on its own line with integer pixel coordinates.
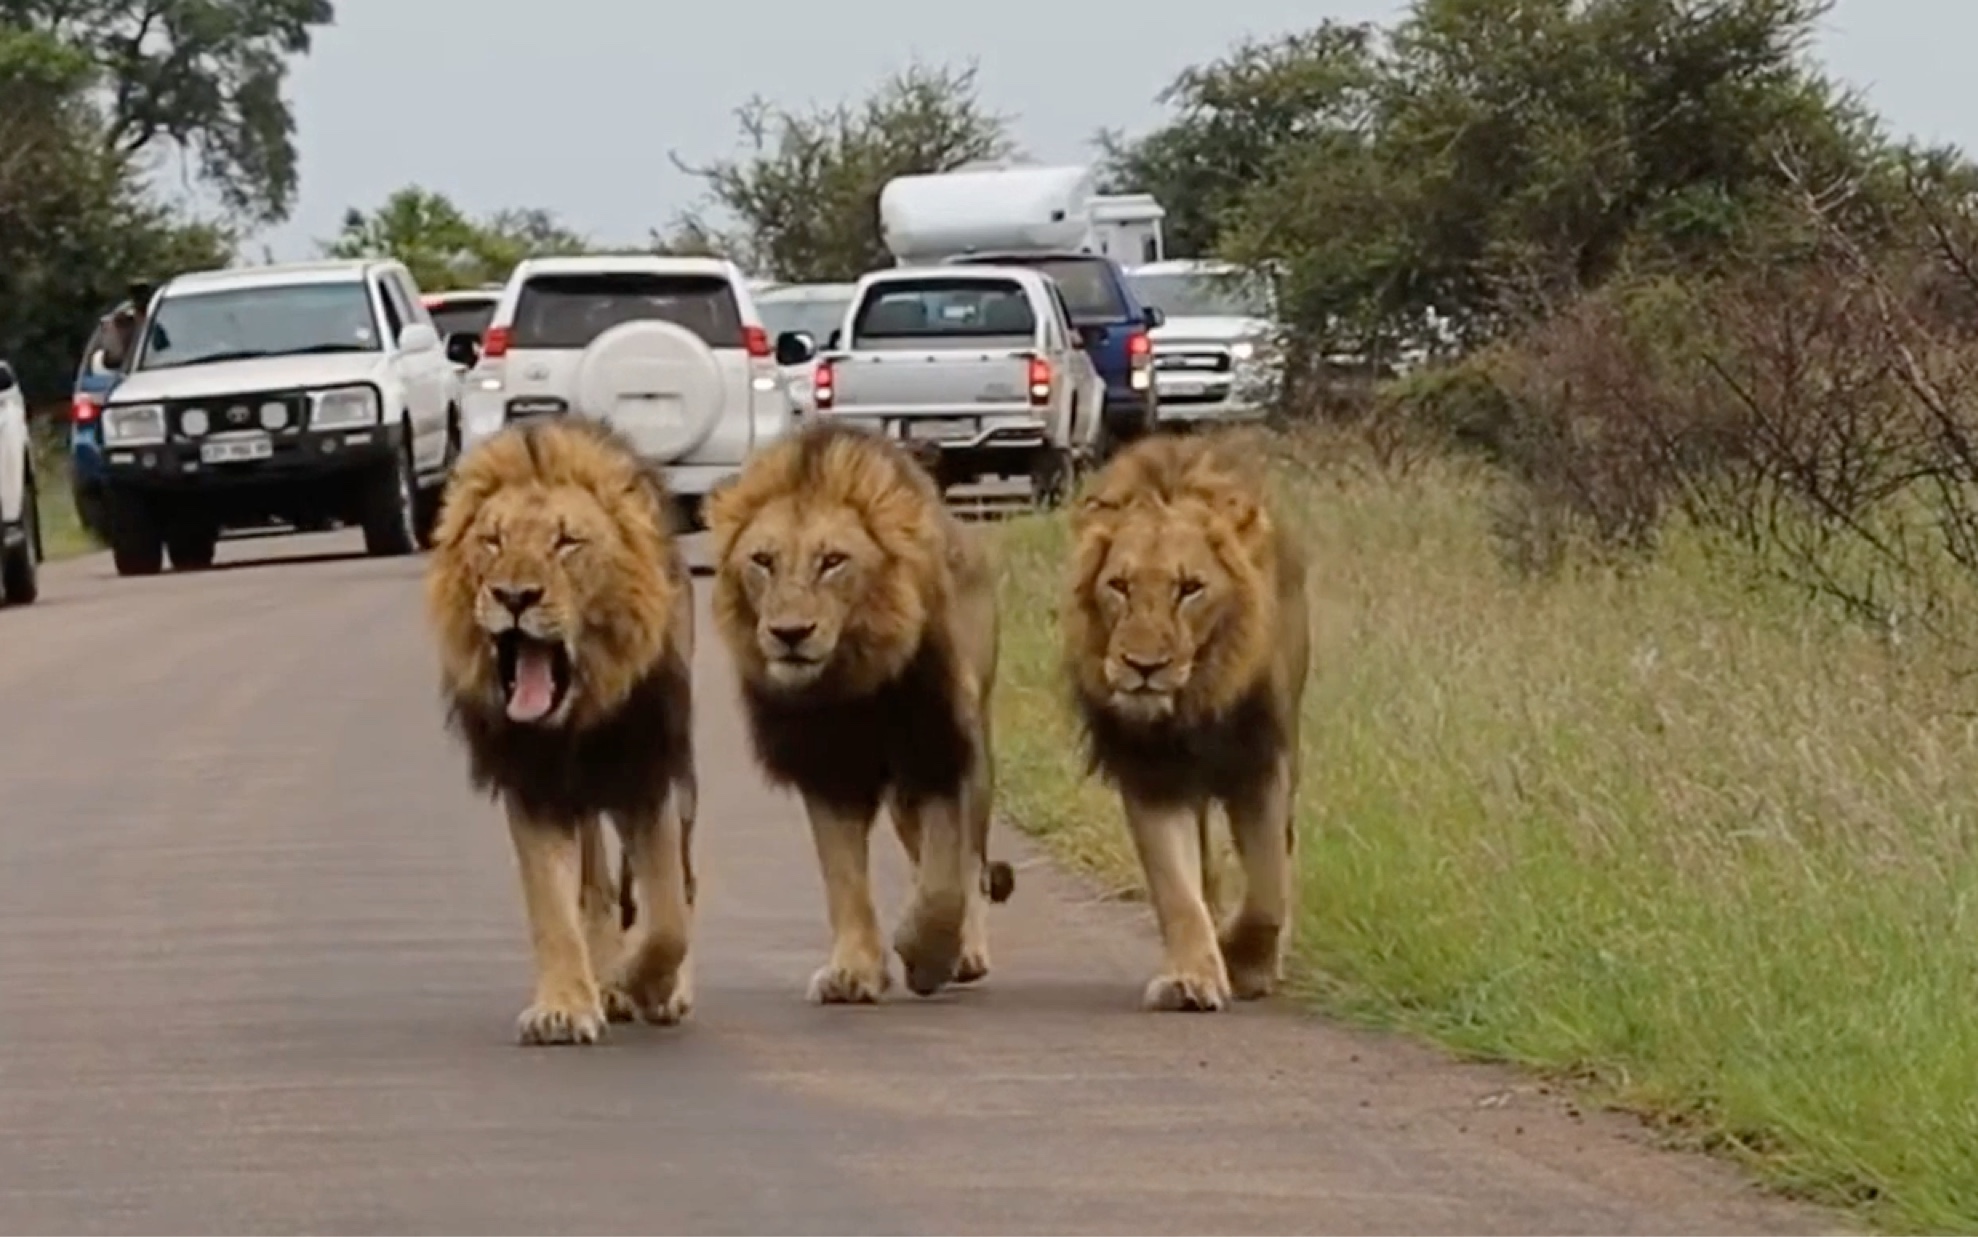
{"type": "Point", "coordinates": [1676, 836]}
{"type": "Point", "coordinates": [62, 533]}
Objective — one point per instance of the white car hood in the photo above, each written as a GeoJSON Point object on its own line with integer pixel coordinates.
{"type": "Point", "coordinates": [245, 377]}
{"type": "Point", "coordinates": [1210, 330]}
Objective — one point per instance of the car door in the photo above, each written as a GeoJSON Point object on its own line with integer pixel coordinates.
{"type": "Point", "coordinates": [13, 444]}
{"type": "Point", "coordinates": [418, 371]}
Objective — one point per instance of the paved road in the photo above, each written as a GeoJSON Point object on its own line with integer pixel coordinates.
{"type": "Point", "coordinates": [260, 953]}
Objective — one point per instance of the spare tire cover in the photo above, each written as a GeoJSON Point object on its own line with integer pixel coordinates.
{"type": "Point", "coordinates": [654, 382]}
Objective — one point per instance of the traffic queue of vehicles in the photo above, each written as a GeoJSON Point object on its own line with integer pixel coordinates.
{"type": "Point", "coordinates": [1029, 326]}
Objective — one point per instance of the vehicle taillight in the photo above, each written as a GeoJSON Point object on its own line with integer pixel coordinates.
{"type": "Point", "coordinates": [1139, 348]}
{"type": "Point", "coordinates": [756, 339]}
{"type": "Point", "coordinates": [1040, 381]}
{"type": "Point", "coordinates": [822, 385]}
{"type": "Point", "coordinates": [495, 345]}
{"type": "Point", "coordinates": [83, 409]}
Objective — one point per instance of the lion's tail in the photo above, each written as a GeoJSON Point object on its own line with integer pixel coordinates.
{"type": "Point", "coordinates": [998, 880]}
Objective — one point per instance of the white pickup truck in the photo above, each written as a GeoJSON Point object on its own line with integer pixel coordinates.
{"type": "Point", "coordinates": [978, 368]}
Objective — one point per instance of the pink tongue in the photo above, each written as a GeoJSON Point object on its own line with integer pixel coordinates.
{"type": "Point", "coordinates": [535, 686]}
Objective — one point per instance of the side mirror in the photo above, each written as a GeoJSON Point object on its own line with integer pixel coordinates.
{"type": "Point", "coordinates": [1091, 337]}
{"type": "Point", "coordinates": [795, 347]}
{"type": "Point", "coordinates": [463, 348]}
{"type": "Point", "coordinates": [1153, 316]}
{"type": "Point", "coordinates": [418, 337]}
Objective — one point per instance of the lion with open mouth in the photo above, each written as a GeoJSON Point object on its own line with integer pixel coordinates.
{"type": "Point", "coordinates": [563, 612]}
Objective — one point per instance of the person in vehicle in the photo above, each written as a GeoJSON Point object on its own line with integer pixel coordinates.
{"type": "Point", "coordinates": [122, 327]}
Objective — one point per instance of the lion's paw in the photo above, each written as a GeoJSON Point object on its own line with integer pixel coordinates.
{"type": "Point", "coordinates": [1252, 954]}
{"type": "Point", "coordinates": [973, 966]}
{"type": "Point", "coordinates": [618, 1004]}
{"type": "Point", "coordinates": [667, 1003]}
{"type": "Point", "coordinates": [839, 983]}
{"type": "Point", "coordinates": [1178, 991]}
{"type": "Point", "coordinates": [547, 1023]}
{"type": "Point", "coordinates": [930, 949]}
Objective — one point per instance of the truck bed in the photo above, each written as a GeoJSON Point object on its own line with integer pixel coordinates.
{"type": "Point", "coordinates": [941, 395]}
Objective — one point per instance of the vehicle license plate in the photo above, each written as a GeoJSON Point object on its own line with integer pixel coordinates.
{"type": "Point", "coordinates": [940, 430]}
{"type": "Point", "coordinates": [234, 450]}
{"type": "Point", "coordinates": [1183, 388]}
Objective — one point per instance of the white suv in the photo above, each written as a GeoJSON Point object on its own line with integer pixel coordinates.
{"type": "Point", "coordinates": [670, 351]}
{"type": "Point", "coordinates": [20, 515]}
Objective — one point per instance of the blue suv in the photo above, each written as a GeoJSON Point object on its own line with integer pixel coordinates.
{"type": "Point", "coordinates": [93, 386]}
{"type": "Point", "coordinates": [1113, 326]}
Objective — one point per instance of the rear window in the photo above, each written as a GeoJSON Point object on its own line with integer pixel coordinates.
{"type": "Point", "coordinates": [569, 311]}
{"type": "Point", "coordinates": [1091, 294]}
{"type": "Point", "coordinates": [937, 308]}
{"type": "Point", "coordinates": [462, 317]}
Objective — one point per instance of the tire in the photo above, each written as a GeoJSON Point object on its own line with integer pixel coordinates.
{"type": "Point", "coordinates": [389, 515]}
{"type": "Point", "coordinates": [137, 546]}
{"type": "Point", "coordinates": [20, 572]}
{"type": "Point", "coordinates": [1053, 477]}
{"type": "Point", "coordinates": [191, 546]}
{"type": "Point", "coordinates": [426, 503]}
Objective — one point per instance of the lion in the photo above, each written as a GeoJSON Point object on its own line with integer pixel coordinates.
{"type": "Point", "coordinates": [1186, 647]}
{"type": "Point", "coordinates": [563, 612]}
{"type": "Point", "coordinates": [861, 616]}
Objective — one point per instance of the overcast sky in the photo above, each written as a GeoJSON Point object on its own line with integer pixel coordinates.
{"type": "Point", "coordinates": [572, 105]}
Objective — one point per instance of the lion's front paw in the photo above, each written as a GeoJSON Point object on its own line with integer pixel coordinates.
{"type": "Point", "coordinates": [850, 983]}
{"type": "Point", "coordinates": [974, 962]}
{"type": "Point", "coordinates": [1200, 989]}
{"type": "Point", "coordinates": [556, 1022]}
{"type": "Point", "coordinates": [1254, 957]}
{"type": "Point", "coordinates": [930, 947]}
{"type": "Point", "coordinates": [973, 966]}
{"type": "Point", "coordinates": [666, 1000]}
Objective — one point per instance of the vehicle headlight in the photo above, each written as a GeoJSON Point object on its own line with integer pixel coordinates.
{"type": "Point", "coordinates": [133, 425]}
{"type": "Point", "coordinates": [194, 422]}
{"type": "Point", "coordinates": [1243, 350]}
{"type": "Point", "coordinates": [343, 408]}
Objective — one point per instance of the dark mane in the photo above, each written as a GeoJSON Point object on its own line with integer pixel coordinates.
{"type": "Point", "coordinates": [908, 737]}
{"type": "Point", "coordinates": [1168, 762]}
{"type": "Point", "coordinates": [625, 765]}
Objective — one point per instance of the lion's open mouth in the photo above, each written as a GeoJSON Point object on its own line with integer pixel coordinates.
{"type": "Point", "coordinates": [535, 675]}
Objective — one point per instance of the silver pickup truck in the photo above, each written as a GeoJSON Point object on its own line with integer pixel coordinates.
{"type": "Point", "coordinates": [977, 368]}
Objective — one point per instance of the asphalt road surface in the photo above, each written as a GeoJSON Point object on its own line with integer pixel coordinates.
{"type": "Point", "coordinates": [261, 954]}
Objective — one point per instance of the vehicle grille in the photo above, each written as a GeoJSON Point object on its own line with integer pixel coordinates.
{"type": "Point", "coordinates": [1193, 360]}
{"type": "Point", "coordinates": [228, 413]}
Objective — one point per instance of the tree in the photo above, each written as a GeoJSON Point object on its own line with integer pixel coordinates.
{"type": "Point", "coordinates": [804, 196]}
{"type": "Point", "coordinates": [75, 226]}
{"type": "Point", "coordinates": [442, 246]}
{"type": "Point", "coordinates": [202, 76]}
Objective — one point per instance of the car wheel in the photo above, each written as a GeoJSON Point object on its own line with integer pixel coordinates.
{"type": "Point", "coordinates": [1052, 478]}
{"type": "Point", "coordinates": [389, 517]}
{"type": "Point", "coordinates": [192, 545]}
{"type": "Point", "coordinates": [137, 547]}
{"type": "Point", "coordinates": [20, 573]}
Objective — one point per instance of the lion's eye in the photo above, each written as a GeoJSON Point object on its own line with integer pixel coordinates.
{"type": "Point", "coordinates": [491, 541]}
{"type": "Point", "coordinates": [763, 559]}
{"type": "Point", "coordinates": [1119, 585]}
{"type": "Point", "coordinates": [1189, 587]}
{"type": "Point", "coordinates": [829, 562]}
{"type": "Point", "coordinates": [566, 543]}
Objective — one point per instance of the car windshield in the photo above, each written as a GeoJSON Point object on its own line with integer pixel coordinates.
{"type": "Point", "coordinates": [817, 315]}
{"type": "Point", "coordinates": [1090, 294]}
{"type": "Point", "coordinates": [569, 311]}
{"type": "Point", "coordinates": [190, 328]}
{"type": "Point", "coordinates": [936, 309]}
{"type": "Point", "coordinates": [462, 317]}
{"type": "Point", "coordinates": [1202, 295]}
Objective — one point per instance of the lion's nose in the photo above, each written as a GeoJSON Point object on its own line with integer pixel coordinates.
{"type": "Point", "coordinates": [792, 635]}
{"type": "Point", "coordinates": [515, 600]}
{"type": "Point", "coordinates": [1146, 667]}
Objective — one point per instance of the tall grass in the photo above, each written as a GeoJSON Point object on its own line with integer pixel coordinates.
{"type": "Point", "coordinates": [1672, 832]}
